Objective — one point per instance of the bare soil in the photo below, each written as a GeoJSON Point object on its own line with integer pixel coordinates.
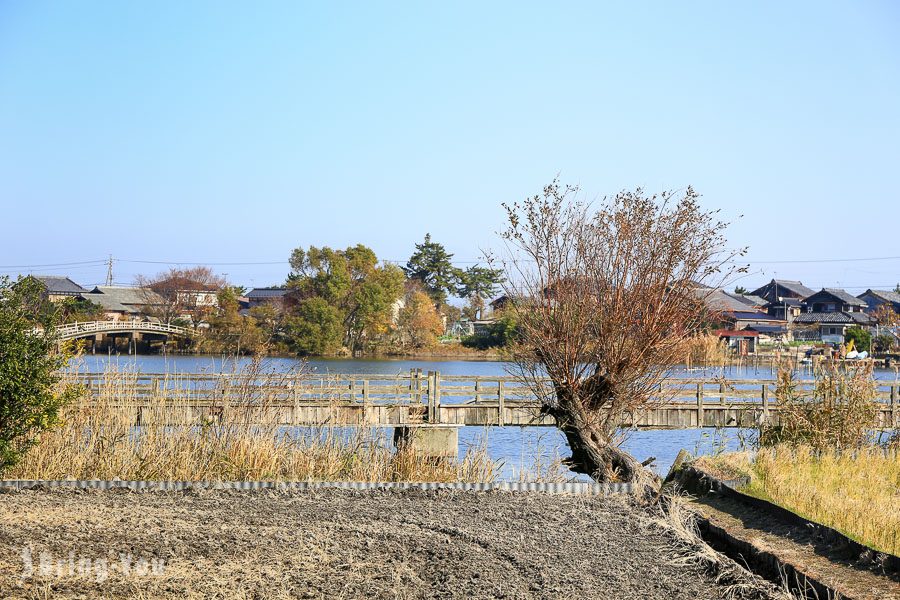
{"type": "Point", "coordinates": [337, 544]}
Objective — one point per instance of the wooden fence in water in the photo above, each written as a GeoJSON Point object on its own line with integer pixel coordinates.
{"type": "Point", "coordinates": [432, 397]}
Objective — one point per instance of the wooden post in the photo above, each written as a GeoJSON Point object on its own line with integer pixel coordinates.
{"type": "Point", "coordinates": [477, 391]}
{"type": "Point", "coordinates": [437, 397]}
{"type": "Point", "coordinates": [700, 404]}
{"type": "Point", "coordinates": [366, 401]}
{"type": "Point", "coordinates": [722, 393]}
{"type": "Point", "coordinates": [765, 401]}
{"type": "Point", "coordinates": [295, 396]}
{"type": "Point", "coordinates": [431, 390]}
{"type": "Point", "coordinates": [500, 403]}
{"type": "Point", "coordinates": [895, 417]}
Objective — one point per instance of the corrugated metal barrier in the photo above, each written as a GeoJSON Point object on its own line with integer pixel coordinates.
{"type": "Point", "coordinates": [578, 488]}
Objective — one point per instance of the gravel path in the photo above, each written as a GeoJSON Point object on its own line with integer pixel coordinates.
{"type": "Point", "coordinates": [337, 544]}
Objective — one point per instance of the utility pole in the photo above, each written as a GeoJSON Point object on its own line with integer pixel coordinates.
{"type": "Point", "coordinates": [109, 273]}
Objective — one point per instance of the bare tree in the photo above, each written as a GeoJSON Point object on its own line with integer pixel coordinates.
{"type": "Point", "coordinates": [181, 293]}
{"type": "Point", "coordinates": [604, 299]}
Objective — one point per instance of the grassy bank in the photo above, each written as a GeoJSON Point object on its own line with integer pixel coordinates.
{"type": "Point", "coordinates": [857, 493]}
{"type": "Point", "coordinates": [96, 438]}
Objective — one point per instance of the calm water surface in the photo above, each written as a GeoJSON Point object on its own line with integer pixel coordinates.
{"type": "Point", "coordinates": [518, 448]}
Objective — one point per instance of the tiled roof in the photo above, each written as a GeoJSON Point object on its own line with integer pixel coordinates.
{"type": "Point", "coordinates": [59, 285]}
{"type": "Point", "coordinates": [267, 292]}
{"type": "Point", "coordinates": [844, 296]}
{"type": "Point", "coordinates": [108, 303]}
{"type": "Point", "coordinates": [769, 328]}
{"type": "Point", "coordinates": [834, 317]}
{"type": "Point", "coordinates": [751, 315]}
{"type": "Point", "coordinates": [885, 295]}
{"type": "Point", "coordinates": [748, 299]}
{"type": "Point", "coordinates": [130, 295]}
{"type": "Point", "coordinates": [795, 287]}
{"type": "Point", "coordinates": [720, 301]}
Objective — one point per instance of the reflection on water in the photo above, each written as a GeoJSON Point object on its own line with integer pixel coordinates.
{"type": "Point", "coordinates": [517, 447]}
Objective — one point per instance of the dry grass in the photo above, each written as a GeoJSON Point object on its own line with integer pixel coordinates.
{"type": "Point", "coordinates": [679, 522]}
{"type": "Point", "coordinates": [855, 492]}
{"type": "Point", "coordinates": [97, 439]}
{"type": "Point", "coordinates": [704, 350]}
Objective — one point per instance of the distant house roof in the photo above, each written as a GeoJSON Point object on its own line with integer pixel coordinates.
{"type": "Point", "coordinates": [750, 315]}
{"type": "Point", "coordinates": [499, 302]}
{"type": "Point", "coordinates": [266, 293]}
{"type": "Point", "coordinates": [785, 302]}
{"type": "Point", "coordinates": [769, 329]}
{"type": "Point", "coordinates": [837, 317]}
{"type": "Point", "coordinates": [839, 294]}
{"type": "Point", "coordinates": [737, 333]}
{"type": "Point", "coordinates": [748, 299]}
{"type": "Point", "coordinates": [725, 302]}
{"type": "Point", "coordinates": [130, 295]}
{"type": "Point", "coordinates": [108, 303]}
{"type": "Point", "coordinates": [883, 295]}
{"type": "Point", "coordinates": [59, 285]}
{"type": "Point", "coordinates": [794, 287]}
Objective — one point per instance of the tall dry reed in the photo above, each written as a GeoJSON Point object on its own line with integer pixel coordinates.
{"type": "Point", "coordinates": [230, 432]}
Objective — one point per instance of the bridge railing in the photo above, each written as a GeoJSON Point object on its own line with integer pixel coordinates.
{"type": "Point", "coordinates": [465, 399]}
{"type": "Point", "coordinates": [78, 329]}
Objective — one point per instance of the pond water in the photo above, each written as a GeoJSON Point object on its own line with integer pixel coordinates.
{"type": "Point", "coordinates": [518, 448]}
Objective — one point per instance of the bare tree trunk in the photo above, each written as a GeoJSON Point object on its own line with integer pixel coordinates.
{"type": "Point", "coordinates": [594, 452]}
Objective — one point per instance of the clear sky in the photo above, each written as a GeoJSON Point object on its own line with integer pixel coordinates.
{"type": "Point", "coordinates": [233, 132]}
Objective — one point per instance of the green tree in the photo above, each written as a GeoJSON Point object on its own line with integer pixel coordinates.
{"type": "Point", "coordinates": [477, 284]}
{"type": "Point", "coordinates": [741, 290]}
{"type": "Point", "coordinates": [862, 338]}
{"type": "Point", "coordinates": [498, 334]}
{"type": "Point", "coordinates": [315, 327]}
{"type": "Point", "coordinates": [30, 396]}
{"type": "Point", "coordinates": [431, 266]}
{"type": "Point", "coordinates": [75, 309]}
{"type": "Point", "coordinates": [361, 293]}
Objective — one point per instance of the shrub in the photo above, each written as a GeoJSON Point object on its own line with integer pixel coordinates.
{"type": "Point", "coordinates": [883, 343]}
{"type": "Point", "coordinates": [498, 335]}
{"type": "Point", "coordinates": [838, 412]}
{"type": "Point", "coordinates": [861, 338]}
{"type": "Point", "coordinates": [30, 395]}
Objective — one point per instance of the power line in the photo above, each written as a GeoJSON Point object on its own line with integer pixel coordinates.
{"type": "Point", "coordinates": [209, 264]}
{"type": "Point", "coordinates": [821, 260]}
{"type": "Point", "coordinates": [67, 264]}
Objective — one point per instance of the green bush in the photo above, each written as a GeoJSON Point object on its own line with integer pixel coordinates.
{"type": "Point", "coordinates": [498, 335]}
{"type": "Point", "coordinates": [862, 338]}
{"type": "Point", "coordinates": [30, 396]}
{"type": "Point", "coordinates": [883, 343]}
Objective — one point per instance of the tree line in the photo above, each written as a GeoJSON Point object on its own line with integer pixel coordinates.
{"type": "Point", "coordinates": [335, 301]}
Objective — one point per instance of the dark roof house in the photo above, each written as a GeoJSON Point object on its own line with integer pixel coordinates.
{"type": "Point", "coordinates": [56, 286]}
{"type": "Point", "coordinates": [266, 295]}
{"type": "Point", "coordinates": [834, 300]}
{"type": "Point", "coordinates": [876, 298]}
{"type": "Point", "coordinates": [778, 289]}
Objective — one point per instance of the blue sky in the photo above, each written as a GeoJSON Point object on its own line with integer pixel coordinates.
{"type": "Point", "coordinates": [233, 132]}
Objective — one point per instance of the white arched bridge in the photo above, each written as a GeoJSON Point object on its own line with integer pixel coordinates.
{"type": "Point", "coordinates": [71, 331]}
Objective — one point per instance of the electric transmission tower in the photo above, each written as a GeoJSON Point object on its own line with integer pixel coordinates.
{"type": "Point", "coordinates": [109, 273]}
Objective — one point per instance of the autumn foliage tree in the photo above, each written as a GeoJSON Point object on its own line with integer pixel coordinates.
{"type": "Point", "coordinates": [418, 322]}
{"type": "Point", "coordinates": [603, 298]}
